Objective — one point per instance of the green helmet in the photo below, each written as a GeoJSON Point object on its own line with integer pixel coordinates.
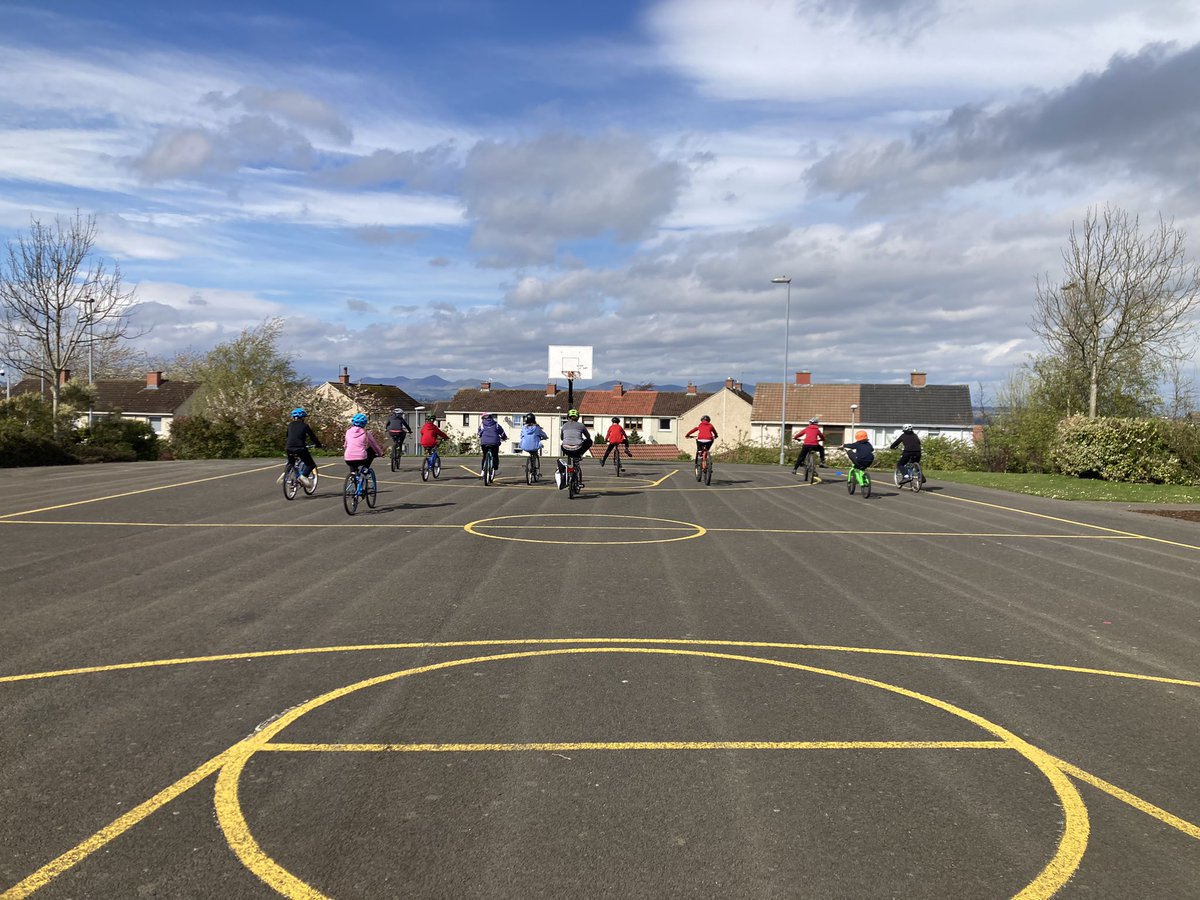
{"type": "Point", "coordinates": [573, 414]}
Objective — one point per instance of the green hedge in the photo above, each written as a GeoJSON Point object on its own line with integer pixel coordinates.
{"type": "Point", "coordinates": [19, 446]}
{"type": "Point", "coordinates": [115, 439]}
{"type": "Point", "coordinates": [1145, 451]}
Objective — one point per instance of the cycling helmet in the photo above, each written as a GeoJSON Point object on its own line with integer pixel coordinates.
{"type": "Point", "coordinates": [299, 413]}
{"type": "Point", "coordinates": [860, 435]}
{"type": "Point", "coordinates": [360, 419]}
{"type": "Point", "coordinates": [907, 428]}
{"type": "Point", "coordinates": [398, 411]}
{"type": "Point", "coordinates": [616, 420]}
{"type": "Point", "coordinates": [705, 419]}
{"type": "Point", "coordinates": [489, 415]}
{"type": "Point", "coordinates": [573, 414]}
{"type": "Point", "coordinates": [813, 420]}
{"type": "Point", "coordinates": [530, 419]}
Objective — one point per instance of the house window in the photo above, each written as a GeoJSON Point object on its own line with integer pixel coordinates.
{"type": "Point", "coordinates": [588, 421]}
{"type": "Point", "coordinates": [633, 422]}
{"type": "Point", "coordinates": [664, 424]}
{"type": "Point", "coordinates": [466, 420]}
{"type": "Point", "coordinates": [156, 423]}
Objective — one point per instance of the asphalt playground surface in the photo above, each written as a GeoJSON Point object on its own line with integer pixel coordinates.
{"type": "Point", "coordinates": [758, 688]}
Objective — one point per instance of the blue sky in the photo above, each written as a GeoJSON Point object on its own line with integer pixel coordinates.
{"type": "Point", "coordinates": [448, 187]}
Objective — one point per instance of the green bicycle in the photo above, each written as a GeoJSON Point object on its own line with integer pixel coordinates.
{"type": "Point", "coordinates": [858, 479]}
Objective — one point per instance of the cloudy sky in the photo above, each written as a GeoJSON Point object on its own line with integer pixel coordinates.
{"type": "Point", "coordinates": [448, 186]}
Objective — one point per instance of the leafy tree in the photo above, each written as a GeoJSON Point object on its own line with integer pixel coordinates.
{"type": "Point", "coordinates": [1123, 306]}
{"type": "Point", "coordinates": [247, 380]}
{"type": "Point", "coordinates": [57, 299]}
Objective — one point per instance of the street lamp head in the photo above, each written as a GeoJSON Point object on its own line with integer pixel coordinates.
{"type": "Point", "coordinates": [782, 279]}
{"type": "Point", "coordinates": [854, 406]}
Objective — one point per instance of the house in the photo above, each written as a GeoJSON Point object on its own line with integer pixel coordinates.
{"type": "Point", "coordinates": [879, 409]}
{"type": "Point", "coordinates": [729, 410]}
{"type": "Point", "coordinates": [653, 415]}
{"type": "Point", "coordinates": [155, 400]}
{"type": "Point", "coordinates": [376, 400]}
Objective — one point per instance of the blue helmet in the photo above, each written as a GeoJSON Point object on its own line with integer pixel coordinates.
{"type": "Point", "coordinates": [360, 419]}
{"type": "Point", "coordinates": [299, 413]}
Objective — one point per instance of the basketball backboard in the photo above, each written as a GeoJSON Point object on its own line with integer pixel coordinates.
{"type": "Point", "coordinates": [564, 359]}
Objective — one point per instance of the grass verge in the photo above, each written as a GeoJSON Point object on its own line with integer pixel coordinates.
{"type": "Point", "coordinates": [1066, 487]}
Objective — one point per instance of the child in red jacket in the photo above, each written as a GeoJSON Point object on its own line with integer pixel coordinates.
{"type": "Point", "coordinates": [615, 437]}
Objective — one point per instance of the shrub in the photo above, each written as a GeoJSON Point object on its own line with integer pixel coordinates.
{"type": "Point", "coordinates": [116, 439]}
{"type": "Point", "coordinates": [20, 446]}
{"type": "Point", "coordinates": [195, 437]}
{"type": "Point", "coordinates": [944, 453]}
{"type": "Point", "coordinates": [1136, 450]}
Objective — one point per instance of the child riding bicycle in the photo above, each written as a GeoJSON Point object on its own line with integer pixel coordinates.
{"type": "Point", "coordinates": [705, 435]}
{"type": "Point", "coordinates": [861, 453]}
{"type": "Point", "coordinates": [299, 435]}
{"type": "Point", "coordinates": [361, 446]}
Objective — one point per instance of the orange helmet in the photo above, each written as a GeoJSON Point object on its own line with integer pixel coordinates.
{"type": "Point", "coordinates": [860, 435]}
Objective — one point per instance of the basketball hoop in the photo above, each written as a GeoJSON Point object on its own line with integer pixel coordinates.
{"type": "Point", "coordinates": [570, 375]}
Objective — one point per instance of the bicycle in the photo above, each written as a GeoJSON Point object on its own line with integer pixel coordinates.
{"type": "Point", "coordinates": [360, 485]}
{"type": "Point", "coordinates": [397, 454]}
{"type": "Point", "coordinates": [533, 469]}
{"type": "Point", "coordinates": [911, 475]}
{"type": "Point", "coordinates": [574, 477]}
{"type": "Point", "coordinates": [810, 466]}
{"type": "Point", "coordinates": [858, 478]}
{"type": "Point", "coordinates": [617, 462]}
{"type": "Point", "coordinates": [295, 478]}
{"type": "Point", "coordinates": [431, 464]}
{"type": "Point", "coordinates": [489, 468]}
{"type": "Point", "coordinates": [704, 465]}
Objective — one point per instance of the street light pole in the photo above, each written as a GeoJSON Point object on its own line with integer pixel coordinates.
{"type": "Point", "coordinates": [91, 380]}
{"type": "Point", "coordinates": [787, 319]}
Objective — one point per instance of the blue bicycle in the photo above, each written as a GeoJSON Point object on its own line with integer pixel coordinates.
{"type": "Point", "coordinates": [431, 465]}
{"type": "Point", "coordinates": [360, 485]}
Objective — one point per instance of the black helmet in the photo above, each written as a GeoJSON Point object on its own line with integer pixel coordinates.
{"type": "Point", "coordinates": [616, 420]}
{"type": "Point", "coordinates": [530, 419]}
{"type": "Point", "coordinates": [705, 419]}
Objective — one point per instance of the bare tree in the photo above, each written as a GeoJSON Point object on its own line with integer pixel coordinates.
{"type": "Point", "coordinates": [56, 299]}
{"type": "Point", "coordinates": [1124, 296]}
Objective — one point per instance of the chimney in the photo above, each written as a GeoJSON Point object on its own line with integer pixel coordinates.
{"type": "Point", "coordinates": [154, 380]}
{"type": "Point", "coordinates": [729, 384]}
{"type": "Point", "coordinates": [345, 379]}
{"type": "Point", "coordinates": [737, 386]}
{"type": "Point", "coordinates": [485, 385]}
{"type": "Point", "coordinates": [64, 375]}
{"type": "Point", "coordinates": [691, 389]}
{"type": "Point", "coordinates": [917, 379]}
{"type": "Point", "coordinates": [804, 377]}
{"type": "Point", "coordinates": [618, 389]}
{"type": "Point", "coordinates": [551, 389]}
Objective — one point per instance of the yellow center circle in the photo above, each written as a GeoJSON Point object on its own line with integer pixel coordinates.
{"type": "Point", "coordinates": [608, 532]}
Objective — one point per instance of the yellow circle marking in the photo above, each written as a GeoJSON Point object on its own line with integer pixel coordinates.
{"type": "Point", "coordinates": [691, 530]}
{"type": "Point", "coordinates": [1054, 874]}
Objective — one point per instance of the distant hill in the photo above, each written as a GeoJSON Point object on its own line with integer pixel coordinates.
{"type": "Point", "coordinates": [434, 387]}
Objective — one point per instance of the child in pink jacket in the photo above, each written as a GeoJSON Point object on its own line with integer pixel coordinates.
{"type": "Point", "coordinates": [361, 446]}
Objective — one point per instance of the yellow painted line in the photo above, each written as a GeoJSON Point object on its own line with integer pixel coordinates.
{"type": "Point", "coordinates": [474, 472]}
{"type": "Point", "coordinates": [1026, 512]}
{"type": "Point", "coordinates": [1136, 802]}
{"type": "Point", "coordinates": [664, 478]}
{"type": "Point", "coordinates": [231, 524]}
{"type": "Point", "coordinates": [531, 642]}
{"type": "Point", "coordinates": [1062, 865]}
{"type": "Point", "coordinates": [161, 487]}
{"type": "Point", "coordinates": [579, 746]}
{"type": "Point", "coordinates": [115, 829]}
{"type": "Point", "coordinates": [956, 534]}
{"type": "Point", "coordinates": [473, 528]}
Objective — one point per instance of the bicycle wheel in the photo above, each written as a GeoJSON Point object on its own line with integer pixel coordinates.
{"type": "Point", "coordinates": [866, 485]}
{"type": "Point", "coordinates": [310, 487]}
{"type": "Point", "coordinates": [617, 462]}
{"type": "Point", "coordinates": [708, 467]}
{"type": "Point", "coordinates": [291, 481]}
{"type": "Point", "coordinates": [851, 482]}
{"type": "Point", "coordinates": [898, 477]}
{"type": "Point", "coordinates": [437, 466]}
{"type": "Point", "coordinates": [350, 494]}
{"type": "Point", "coordinates": [529, 470]}
{"type": "Point", "coordinates": [699, 472]}
{"type": "Point", "coordinates": [915, 476]}
{"type": "Point", "coordinates": [395, 457]}
{"type": "Point", "coordinates": [810, 469]}
{"type": "Point", "coordinates": [371, 488]}
{"type": "Point", "coordinates": [537, 469]}
{"type": "Point", "coordinates": [489, 472]}
{"type": "Point", "coordinates": [572, 483]}
{"type": "Point", "coordinates": [426, 465]}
